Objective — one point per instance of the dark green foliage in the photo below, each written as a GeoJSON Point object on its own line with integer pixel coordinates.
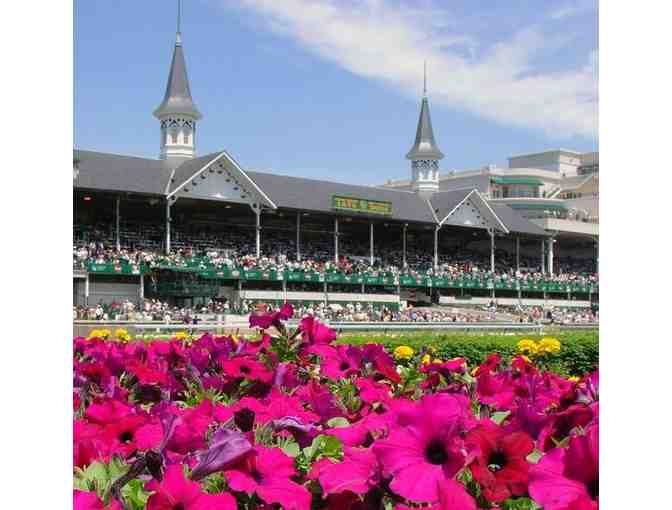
{"type": "Point", "coordinates": [578, 355]}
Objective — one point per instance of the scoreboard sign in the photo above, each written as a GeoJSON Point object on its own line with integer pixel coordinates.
{"type": "Point", "coordinates": [361, 205]}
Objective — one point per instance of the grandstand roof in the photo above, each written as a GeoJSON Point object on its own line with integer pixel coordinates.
{"type": "Point", "coordinates": [114, 172]}
{"type": "Point", "coordinates": [515, 222]}
{"type": "Point", "coordinates": [316, 195]}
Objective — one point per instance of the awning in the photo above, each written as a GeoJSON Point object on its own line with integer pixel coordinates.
{"type": "Point", "coordinates": [558, 207]}
{"type": "Point", "coordinates": [530, 181]}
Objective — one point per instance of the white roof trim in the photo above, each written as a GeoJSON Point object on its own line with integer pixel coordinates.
{"type": "Point", "coordinates": [194, 175]}
{"type": "Point", "coordinates": [269, 202]}
{"type": "Point", "coordinates": [482, 201]}
{"type": "Point", "coordinates": [237, 168]}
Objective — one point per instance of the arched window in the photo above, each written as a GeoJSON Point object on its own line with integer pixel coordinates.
{"type": "Point", "coordinates": [173, 135]}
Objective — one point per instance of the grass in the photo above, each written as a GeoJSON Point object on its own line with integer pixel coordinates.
{"type": "Point", "coordinates": [579, 351]}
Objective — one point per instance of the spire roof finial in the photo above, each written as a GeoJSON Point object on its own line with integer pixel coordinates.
{"type": "Point", "coordinates": [424, 83]}
{"type": "Point", "coordinates": [178, 36]}
{"type": "Point", "coordinates": [177, 99]}
{"type": "Point", "coordinates": [425, 146]}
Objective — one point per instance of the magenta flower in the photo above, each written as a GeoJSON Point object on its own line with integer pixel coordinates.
{"type": "Point", "coordinates": [268, 475]}
{"type": "Point", "coordinates": [357, 472]}
{"type": "Point", "coordinates": [452, 496]}
{"type": "Point", "coordinates": [246, 368]}
{"type": "Point", "coordinates": [568, 478]}
{"type": "Point", "coordinates": [176, 492]}
{"type": "Point", "coordinates": [83, 500]}
{"type": "Point", "coordinates": [426, 448]}
{"type": "Point", "coordinates": [266, 320]}
{"type": "Point", "coordinates": [340, 362]}
{"type": "Point", "coordinates": [314, 332]}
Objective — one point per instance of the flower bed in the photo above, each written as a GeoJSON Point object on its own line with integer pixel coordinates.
{"type": "Point", "coordinates": [292, 419]}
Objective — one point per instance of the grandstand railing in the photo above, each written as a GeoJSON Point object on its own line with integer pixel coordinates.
{"type": "Point", "coordinates": [198, 267]}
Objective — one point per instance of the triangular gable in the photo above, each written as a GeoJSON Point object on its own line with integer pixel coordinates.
{"type": "Point", "coordinates": [474, 212]}
{"type": "Point", "coordinates": [220, 179]}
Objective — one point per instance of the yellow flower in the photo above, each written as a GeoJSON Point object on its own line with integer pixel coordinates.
{"type": "Point", "coordinates": [528, 346]}
{"type": "Point", "coordinates": [122, 335]}
{"type": "Point", "coordinates": [403, 352]}
{"type": "Point", "coordinates": [105, 333]}
{"type": "Point", "coordinates": [573, 378]}
{"type": "Point", "coordinates": [181, 335]}
{"type": "Point", "coordinates": [437, 360]}
{"type": "Point", "coordinates": [95, 333]}
{"type": "Point", "coordinates": [426, 359]}
{"type": "Point", "coordinates": [549, 345]}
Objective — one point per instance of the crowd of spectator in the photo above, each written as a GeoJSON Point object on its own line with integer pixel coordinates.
{"type": "Point", "coordinates": [458, 265]}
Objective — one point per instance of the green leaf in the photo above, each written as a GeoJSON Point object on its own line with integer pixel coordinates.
{"type": "Point", "coordinates": [535, 456]}
{"type": "Point", "coordinates": [292, 449]}
{"type": "Point", "coordinates": [338, 422]}
{"type": "Point", "coordinates": [500, 416]}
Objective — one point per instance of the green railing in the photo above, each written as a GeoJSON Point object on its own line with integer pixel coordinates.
{"type": "Point", "coordinates": [207, 271]}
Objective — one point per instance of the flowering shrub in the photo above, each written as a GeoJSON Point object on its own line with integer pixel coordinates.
{"type": "Point", "coordinates": [293, 420]}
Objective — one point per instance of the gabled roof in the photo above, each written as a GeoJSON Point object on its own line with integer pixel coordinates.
{"type": "Point", "coordinates": [425, 146]}
{"type": "Point", "coordinates": [113, 172]}
{"type": "Point", "coordinates": [177, 99]}
{"type": "Point", "coordinates": [188, 169]}
{"type": "Point", "coordinates": [315, 195]}
{"type": "Point", "coordinates": [443, 202]}
{"type": "Point", "coordinates": [515, 222]}
{"type": "Point", "coordinates": [447, 202]}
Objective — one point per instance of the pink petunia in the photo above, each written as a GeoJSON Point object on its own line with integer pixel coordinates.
{"type": "Point", "coordinates": [452, 496]}
{"type": "Point", "coordinates": [83, 500]}
{"type": "Point", "coordinates": [246, 368]}
{"type": "Point", "coordinates": [175, 491]}
{"type": "Point", "coordinates": [568, 478]}
{"type": "Point", "coordinates": [357, 472]}
{"type": "Point", "coordinates": [314, 332]}
{"type": "Point", "coordinates": [268, 475]}
{"type": "Point", "coordinates": [426, 447]}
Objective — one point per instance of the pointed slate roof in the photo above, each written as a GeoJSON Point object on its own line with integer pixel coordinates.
{"type": "Point", "coordinates": [425, 146]}
{"type": "Point", "coordinates": [177, 99]}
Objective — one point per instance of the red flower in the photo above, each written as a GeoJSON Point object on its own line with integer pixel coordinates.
{"type": "Point", "coordinates": [500, 466]}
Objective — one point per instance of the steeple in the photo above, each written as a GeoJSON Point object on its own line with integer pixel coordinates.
{"type": "Point", "coordinates": [425, 153]}
{"type": "Point", "coordinates": [177, 112]}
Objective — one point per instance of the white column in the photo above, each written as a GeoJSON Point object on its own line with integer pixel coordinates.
{"type": "Point", "coordinates": [403, 242]}
{"type": "Point", "coordinates": [298, 236]}
{"type": "Point", "coordinates": [117, 218]}
{"type": "Point", "coordinates": [551, 242]}
{"type": "Point", "coordinates": [257, 212]}
{"type": "Point", "coordinates": [517, 253]}
{"type": "Point", "coordinates": [167, 228]}
{"type": "Point", "coordinates": [492, 251]}
{"type": "Point", "coordinates": [336, 240]}
{"type": "Point", "coordinates": [86, 290]}
{"type": "Point", "coordinates": [436, 247]}
{"type": "Point", "coordinates": [142, 288]}
{"type": "Point", "coordinates": [371, 240]}
{"type": "Point", "coordinates": [543, 256]}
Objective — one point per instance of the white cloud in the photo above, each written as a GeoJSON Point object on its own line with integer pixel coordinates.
{"type": "Point", "coordinates": [388, 41]}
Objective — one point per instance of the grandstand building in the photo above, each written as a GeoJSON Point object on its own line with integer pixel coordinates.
{"type": "Point", "coordinates": [538, 213]}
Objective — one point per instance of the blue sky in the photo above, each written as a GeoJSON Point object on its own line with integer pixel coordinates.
{"type": "Point", "coordinates": [331, 89]}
